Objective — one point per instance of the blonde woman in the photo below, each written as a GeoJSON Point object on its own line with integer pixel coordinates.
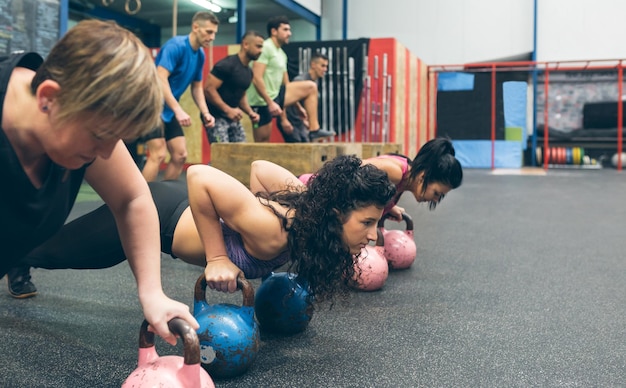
{"type": "Point", "coordinates": [63, 120]}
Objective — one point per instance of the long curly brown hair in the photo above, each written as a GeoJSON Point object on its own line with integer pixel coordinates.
{"type": "Point", "coordinates": [318, 253]}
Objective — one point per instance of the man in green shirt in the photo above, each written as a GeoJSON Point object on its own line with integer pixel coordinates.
{"type": "Point", "coordinates": [271, 90]}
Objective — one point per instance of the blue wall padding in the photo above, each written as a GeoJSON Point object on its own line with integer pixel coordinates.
{"type": "Point", "coordinates": [514, 96]}
{"type": "Point", "coordinates": [450, 82]}
{"type": "Point", "coordinates": [477, 153]}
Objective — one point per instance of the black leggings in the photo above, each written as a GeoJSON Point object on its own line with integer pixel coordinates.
{"type": "Point", "coordinates": [92, 240]}
{"type": "Point", "coordinates": [88, 242]}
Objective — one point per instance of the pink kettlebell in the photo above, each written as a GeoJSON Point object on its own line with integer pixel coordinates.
{"type": "Point", "coordinates": [400, 248]}
{"type": "Point", "coordinates": [169, 371]}
{"type": "Point", "coordinates": [370, 267]}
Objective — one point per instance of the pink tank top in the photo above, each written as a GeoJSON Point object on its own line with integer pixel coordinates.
{"type": "Point", "coordinates": [403, 181]}
{"type": "Point", "coordinates": [304, 178]}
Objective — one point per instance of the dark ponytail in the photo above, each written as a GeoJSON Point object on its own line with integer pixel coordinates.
{"type": "Point", "coordinates": [437, 160]}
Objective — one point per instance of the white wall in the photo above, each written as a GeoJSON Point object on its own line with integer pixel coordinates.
{"type": "Point", "coordinates": [580, 29]}
{"type": "Point", "coordinates": [462, 31]}
{"type": "Point", "coordinates": [331, 21]}
{"type": "Point", "coordinates": [444, 31]}
{"type": "Point", "coordinates": [314, 6]}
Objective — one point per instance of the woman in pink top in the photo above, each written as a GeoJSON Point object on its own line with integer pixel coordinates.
{"type": "Point", "coordinates": [429, 177]}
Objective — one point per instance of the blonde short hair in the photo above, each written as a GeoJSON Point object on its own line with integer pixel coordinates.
{"type": "Point", "coordinates": [105, 73]}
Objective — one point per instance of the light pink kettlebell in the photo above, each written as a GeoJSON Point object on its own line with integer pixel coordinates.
{"type": "Point", "coordinates": [400, 248]}
{"type": "Point", "coordinates": [169, 371]}
{"type": "Point", "coordinates": [370, 267]}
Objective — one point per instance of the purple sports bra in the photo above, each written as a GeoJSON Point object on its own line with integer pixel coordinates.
{"type": "Point", "coordinates": [251, 266]}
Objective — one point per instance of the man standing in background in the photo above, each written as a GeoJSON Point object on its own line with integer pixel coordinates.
{"type": "Point", "coordinates": [225, 91]}
{"type": "Point", "coordinates": [179, 64]}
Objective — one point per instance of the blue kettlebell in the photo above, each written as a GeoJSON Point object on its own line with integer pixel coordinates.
{"type": "Point", "coordinates": [283, 304]}
{"type": "Point", "coordinates": [228, 334]}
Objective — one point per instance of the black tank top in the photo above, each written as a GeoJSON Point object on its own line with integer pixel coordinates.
{"type": "Point", "coordinates": [29, 215]}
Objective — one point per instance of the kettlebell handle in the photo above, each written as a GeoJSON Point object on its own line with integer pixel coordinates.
{"type": "Point", "coordinates": [380, 240]}
{"type": "Point", "coordinates": [405, 217]}
{"type": "Point", "coordinates": [242, 283]}
{"type": "Point", "coordinates": [183, 330]}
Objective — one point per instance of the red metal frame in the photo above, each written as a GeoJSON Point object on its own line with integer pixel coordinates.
{"type": "Point", "coordinates": [545, 67]}
{"type": "Point", "coordinates": [605, 64]}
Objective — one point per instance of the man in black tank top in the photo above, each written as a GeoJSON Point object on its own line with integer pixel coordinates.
{"type": "Point", "coordinates": [225, 91]}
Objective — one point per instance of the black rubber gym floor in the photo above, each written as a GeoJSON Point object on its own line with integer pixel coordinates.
{"type": "Point", "coordinates": [519, 281]}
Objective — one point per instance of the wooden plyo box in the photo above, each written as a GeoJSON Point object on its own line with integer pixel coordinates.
{"type": "Point", "coordinates": [349, 149]}
{"type": "Point", "coordinates": [393, 148]}
{"type": "Point", "coordinates": [372, 150]}
{"type": "Point", "coordinates": [299, 158]}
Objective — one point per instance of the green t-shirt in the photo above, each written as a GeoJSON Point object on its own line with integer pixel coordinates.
{"type": "Point", "coordinates": [275, 60]}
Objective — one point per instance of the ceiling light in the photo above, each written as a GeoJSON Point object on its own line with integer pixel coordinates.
{"type": "Point", "coordinates": [208, 5]}
{"type": "Point", "coordinates": [234, 18]}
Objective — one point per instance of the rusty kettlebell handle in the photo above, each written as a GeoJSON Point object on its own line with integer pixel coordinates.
{"type": "Point", "coordinates": [181, 328]}
{"type": "Point", "coordinates": [405, 217]}
{"type": "Point", "coordinates": [242, 283]}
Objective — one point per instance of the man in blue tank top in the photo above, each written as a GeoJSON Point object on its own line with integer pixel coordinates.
{"type": "Point", "coordinates": [179, 64]}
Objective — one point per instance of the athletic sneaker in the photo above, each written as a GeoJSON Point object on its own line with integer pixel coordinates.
{"type": "Point", "coordinates": [320, 133]}
{"type": "Point", "coordinates": [20, 286]}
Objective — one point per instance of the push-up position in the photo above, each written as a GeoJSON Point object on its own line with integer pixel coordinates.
{"type": "Point", "coordinates": [62, 120]}
{"type": "Point", "coordinates": [219, 224]}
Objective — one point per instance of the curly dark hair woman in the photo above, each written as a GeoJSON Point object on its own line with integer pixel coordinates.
{"type": "Point", "coordinates": [232, 231]}
{"type": "Point", "coordinates": [317, 245]}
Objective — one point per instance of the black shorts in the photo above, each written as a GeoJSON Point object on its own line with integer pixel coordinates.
{"type": "Point", "coordinates": [170, 198]}
{"type": "Point", "coordinates": [168, 131]}
{"type": "Point", "coordinates": [264, 113]}
{"type": "Point", "coordinates": [95, 240]}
